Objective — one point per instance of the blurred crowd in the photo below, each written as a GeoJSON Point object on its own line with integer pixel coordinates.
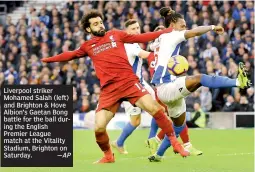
{"type": "Point", "coordinates": [51, 31]}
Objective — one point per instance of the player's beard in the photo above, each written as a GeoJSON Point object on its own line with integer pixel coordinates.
{"type": "Point", "coordinates": [100, 33]}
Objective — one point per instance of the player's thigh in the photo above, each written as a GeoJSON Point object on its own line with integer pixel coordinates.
{"type": "Point", "coordinates": [193, 82]}
{"type": "Point", "coordinates": [147, 103]}
{"type": "Point", "coordinates": [149, 89]}
{"type": "Point", "coordinates": [176, 109]}
{"type": "Point", "coordinates": [103, 117]}
{"type": "Point", "coordinates": [170, 92]}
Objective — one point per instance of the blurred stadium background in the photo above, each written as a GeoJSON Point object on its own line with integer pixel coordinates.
{"type": "Point", "coordinates": [31, 30]}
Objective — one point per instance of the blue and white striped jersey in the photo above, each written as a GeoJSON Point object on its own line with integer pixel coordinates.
{"type": "Point", "coordinates": [135, 61]}
{"type": "Point", "coordinates": [168, 45]}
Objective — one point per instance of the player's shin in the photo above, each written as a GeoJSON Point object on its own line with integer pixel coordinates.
{"type": "Point", "coordinates": [165, 124]}
{"type": "Point", "coordinates": [185, 135]}
{"type": "Point", "coordinates": [217, 81]}
{"type": "Point", "coordinates": [163, 147]}
{"type": "Point", "coordinates": [102, 140]}
{"type": "Point", "coordinates": [128, 129]}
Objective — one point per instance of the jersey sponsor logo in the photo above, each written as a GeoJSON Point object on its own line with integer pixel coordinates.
{"type": "Point", "coordinates": [114, 44]}
{"type": "Point", "coordinates": [101, 48]}
{"type": "Point", "coordinates": [180, 89]}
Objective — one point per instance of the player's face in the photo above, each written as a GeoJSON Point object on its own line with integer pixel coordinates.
{"type": "Point", "coordinates": [134, 29]}
{"type": "Point", "coordinates": [180, 25]}
{"type": "Point", "coordinates": [96, 27]}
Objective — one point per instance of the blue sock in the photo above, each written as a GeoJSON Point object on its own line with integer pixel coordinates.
{"type": "Point", "coordinates": [164, 146]}
{"type": "Point", "coordinates": [166, 142]}
{"type": "Point", "coordinates": [217, 81]}
{"type": "Point", "coordinates": [154, 128]}
{"type": "Point", "coordinates": [128, 129]}
{"type": "Point", "coordinates": [178, 130]}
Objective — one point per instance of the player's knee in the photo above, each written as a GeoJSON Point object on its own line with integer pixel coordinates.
{"type": "Point", "coordinates": [193, 82]}
{"type": "Point", "coordinates": [155, 108]}
{"type": "Point", "coordinates": [100, 128]}
{"type": "Point", "coordinates": [198, 77]}
{"type": "Point", "coordinates": [135, 121]}
{"type": "Point", "coordinates": [195, 79]}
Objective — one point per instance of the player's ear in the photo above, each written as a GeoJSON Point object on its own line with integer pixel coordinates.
{"type": "Point", "coordinates": [88, 29]}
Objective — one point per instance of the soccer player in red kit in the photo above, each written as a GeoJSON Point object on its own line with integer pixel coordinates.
{"type": "Point", "coordinates": [117, 79]}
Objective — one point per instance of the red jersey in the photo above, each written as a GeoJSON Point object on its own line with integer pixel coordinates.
{"type": "Point", "coordinates": [108, 55]}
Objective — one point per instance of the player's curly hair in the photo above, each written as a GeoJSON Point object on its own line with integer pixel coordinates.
{"type": "Point", "coordinates": [85, 18]}
{"type": "Point", "coordinates": [170, 16]}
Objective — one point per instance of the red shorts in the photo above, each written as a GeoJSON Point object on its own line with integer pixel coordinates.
{"type": "Point", "coordinates": [113, 95]}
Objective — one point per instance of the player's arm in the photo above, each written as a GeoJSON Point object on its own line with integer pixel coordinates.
{"type": "Point", "coordinates": [66, 56]}
{"type": "Point", "coordinates": [201, 30]}
{"type": "Point", "coordinates": [141, 38]}
{"type": "Point", "coordinates": [144, 54]}
{"type": "Point", "coordinates": [137, 51]}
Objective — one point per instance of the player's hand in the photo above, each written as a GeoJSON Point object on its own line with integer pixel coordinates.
{"type": "Point", "coordinates": [44, 60]}
{"type": "Point", "coordinates": [219, 29]}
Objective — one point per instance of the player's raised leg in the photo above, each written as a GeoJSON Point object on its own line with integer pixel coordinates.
{"type": "Point", "coordinates": [103, 117]}
{"type": "Point", "coordinates": [152, 107]}
{"type": "Point", "coordinates": [194, 82]}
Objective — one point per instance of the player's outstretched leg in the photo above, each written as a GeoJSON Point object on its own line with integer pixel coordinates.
{"type": "Point", "coordinates": [194, 82]}
{"type": "Point", "coordinates": [103, 117]}
{"type": "Point", "coordinates": [126, 132]}
{"type": "Point", "coordinates": [152, 107]}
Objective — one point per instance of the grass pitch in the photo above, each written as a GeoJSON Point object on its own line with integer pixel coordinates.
{"type": "Point", "coordinates": [224, 151]}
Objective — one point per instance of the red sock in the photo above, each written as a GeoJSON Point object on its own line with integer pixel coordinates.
{"type": "Point", "coordinates": [185, 135]}
{"type": "Point", "coordinates": [161, 135]}
{"type": "Point", "coordinates": [102, 140]}
{"type": "Point", "coordinates": [166, 125]}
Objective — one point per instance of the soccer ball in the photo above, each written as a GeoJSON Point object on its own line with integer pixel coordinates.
{"type": "Point", "coordinates": [177, 65]}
